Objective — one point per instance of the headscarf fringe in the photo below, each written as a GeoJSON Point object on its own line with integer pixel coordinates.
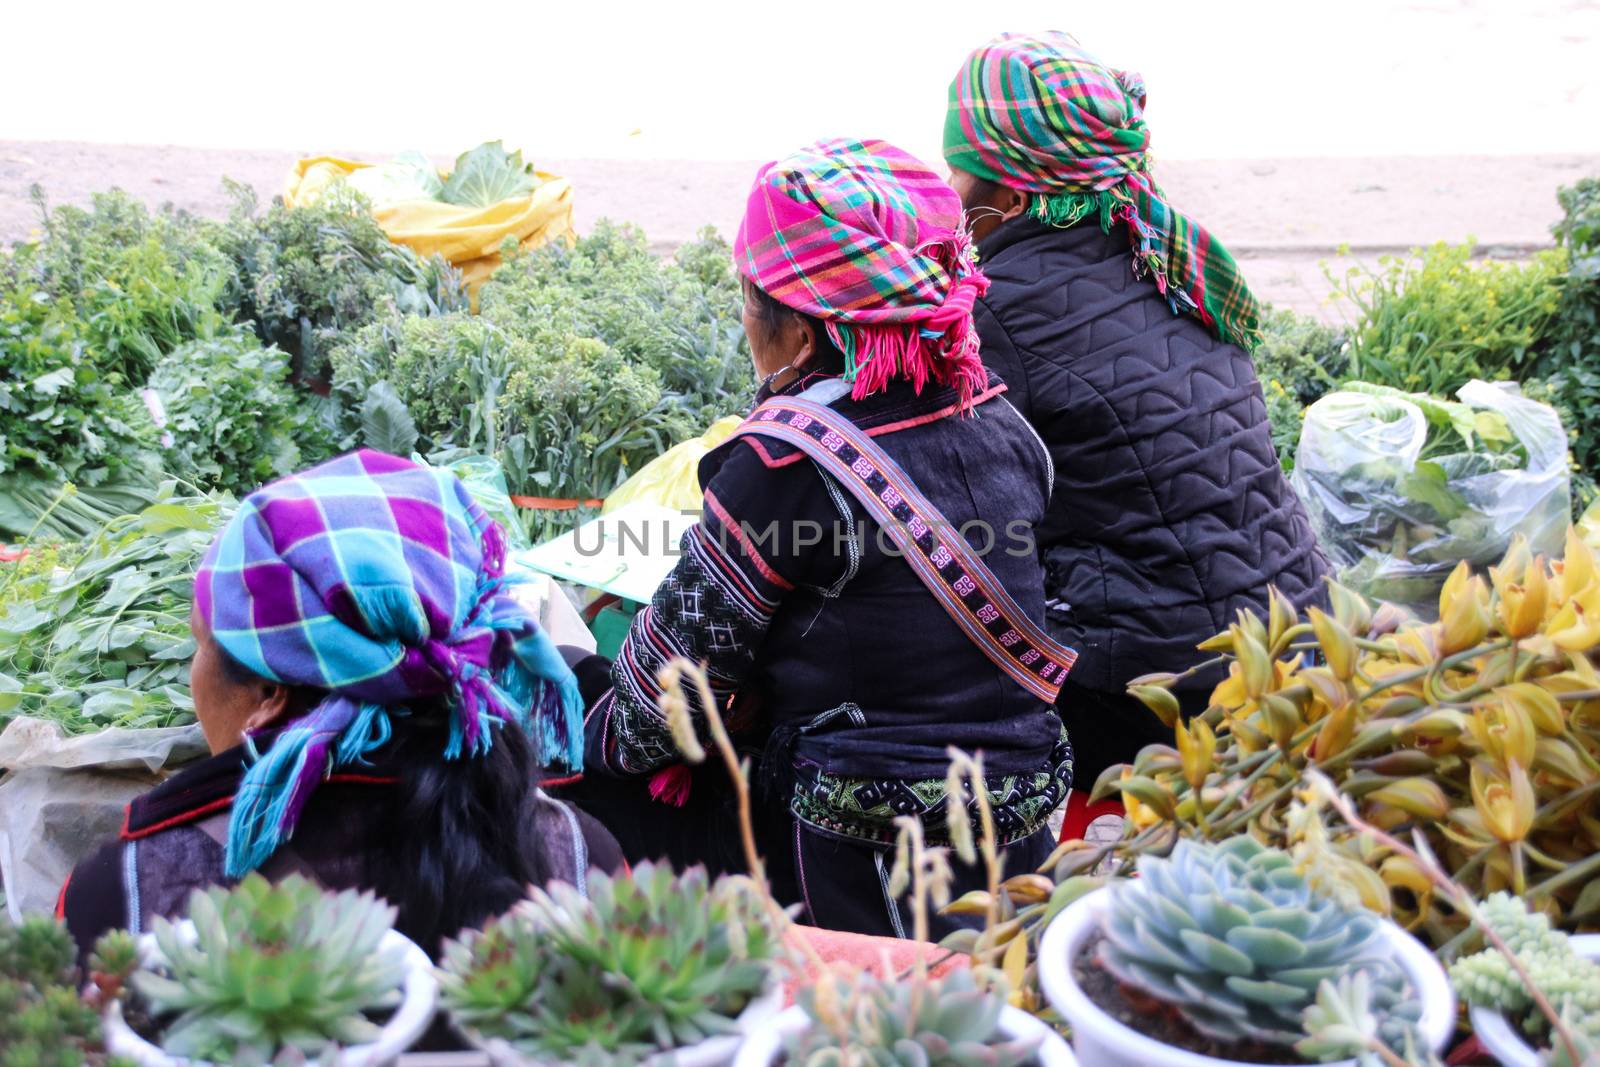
{"type": "Point", "coordinates": [274, 791]}
{"type": "Point", "coordinates": [496, 665]}
{"type": "Point", "coordinates": [1150, 256]}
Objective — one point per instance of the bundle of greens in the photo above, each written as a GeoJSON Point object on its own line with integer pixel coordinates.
{"type": "Point", "coordinates": [1570, 365]}
{"type": "Point", "coordinates": [1439, 318]}
{"type": "Point", "coordinates": [231, 417]}
{"type": "Point", "coordinates": [308, 277]}
{"type": "Point", "coordinates": [571, 421]}
{"type": "Point", "coordinates": [679, 318]}
{"type": "Point", "coordinates": [99, 635]}
{"type": "Point", "coordinates": [1401, 487]}
{"type": "Point", "coordinates": [1297, 360]}
{"type": "Point", "coordinates": [585, 363]}
{"type": "Point", "coordinates": [139, 283]}
{"type": "Point", "coordinates": [86, 311]}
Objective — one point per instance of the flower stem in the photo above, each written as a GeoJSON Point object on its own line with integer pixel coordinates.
{"type": "Point", "coordinates": [1459, 896]}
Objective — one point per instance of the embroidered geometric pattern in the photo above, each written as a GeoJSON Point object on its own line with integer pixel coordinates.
{"type": "Point", "coordinates": [966, 588]}
{"type": "Point", "coordinates": [864, 809]}
{"type": "Point", "coordinates": [706, 611]}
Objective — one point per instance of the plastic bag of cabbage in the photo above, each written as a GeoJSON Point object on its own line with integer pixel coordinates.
{"type": "Point", "coordinates": [1402, 486]}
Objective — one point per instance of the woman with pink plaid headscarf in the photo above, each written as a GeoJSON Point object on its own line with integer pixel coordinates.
{"type": "Point", "coordinates": [862, 586]}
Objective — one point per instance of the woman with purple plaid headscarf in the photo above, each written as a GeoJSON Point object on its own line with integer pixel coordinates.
{"type": "Point", "coordinates": [847, 675]}
{"type": "Point", "coordinates": [379, 709]}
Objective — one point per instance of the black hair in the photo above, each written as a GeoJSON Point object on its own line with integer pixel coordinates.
{"type": "Point", "coordinates": [771, 314]}
{"type": "Point", "coordinates": [459, 847]}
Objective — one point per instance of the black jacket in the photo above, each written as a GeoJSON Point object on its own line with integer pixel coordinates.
{"type": "Point", "coordinates": [834, 637]}
{"type": "Point", "coordinates": [171, 844]}
{"type": "Point", "coordinates": [1170, 510]}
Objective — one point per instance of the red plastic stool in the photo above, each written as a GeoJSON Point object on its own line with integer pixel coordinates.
{"type": "Point", "coordinates": [1080, 813]}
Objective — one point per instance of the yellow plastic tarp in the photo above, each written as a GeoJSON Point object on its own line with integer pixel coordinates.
{"type": "Point", "coordinates": [672, 479]}
{"type": "Point", "coordinates": [468, 237]}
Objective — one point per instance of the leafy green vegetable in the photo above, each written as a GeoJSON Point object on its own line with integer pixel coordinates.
{"type": "Point", "coordinates": [408, 176]}
{"type": "Point", "coordinates": [1435, 320]}
{"type": "Point", "coordinates": [1400, 487]}
{"type": "Point", "coordinates": [386, 425]}
{"type": "Point", "coordinates": [1297, 360]}
{"type": "Point", "coordinates": [487, 175]}
{"type": "Point", "coordinates": [233, 417]}
{"type": "Point", "coordinates": [101, 637]}
{"type": "Point", "coordinates": [1570, 364]}
{"type": "Point", "coordinates": [308, 277]}
{"type": "Point", "coordinates": [681, 318]}
{"type": "Point", "coordinates": [85, 313]}
{"type": "Point", "coordinates": [138, 283]}
{"type": "Point", "coordinates": [568, 421]}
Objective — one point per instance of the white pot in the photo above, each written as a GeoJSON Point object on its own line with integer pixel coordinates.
{"type": "Point", "coordinates": [713, 1052]}
{"type": "Point", "coordinates": [1099, 1039]}
{"type": "Point", "coordinates": [420, 996]}
{"type": "Point", "coordinates": [764, 1048]}
{"type": "Point", "coordinates": [1502, 1038]}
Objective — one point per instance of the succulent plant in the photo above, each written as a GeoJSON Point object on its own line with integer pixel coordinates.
{"type": "Point", "coordinates": [1585, 1031]}
{"type": "Point", "coordinates": [1234, 937]}
{"type": "Point", "coordinates": [43, 1021]}
{"type": "Point", "coordinates": [1353, 1016]}
{"type": "Point", "coordinates": [113, 961]}
{"type": "Point", "coordinates": [1482, 730]}
{"type": "Point", "coordinates": [1486, 979]}
{"type": "Point", "coordinates": [648, 962]}
{"type": "Point", "coordinates": [866, 1022]}
{"type": "Point", "coordinates": [271, 968]}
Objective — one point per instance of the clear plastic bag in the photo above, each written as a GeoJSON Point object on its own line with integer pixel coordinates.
{"type": "Point", "coordinates": [62, 797]}
{"type": "Point", "coordinates": [1401, 487]}
{"type": "Point", "coordinates": [485, 479]}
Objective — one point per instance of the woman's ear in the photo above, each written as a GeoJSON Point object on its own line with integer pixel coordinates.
{"type": "Point", "coordinates": [807, 347]}
{"type": "Point", "coordinates": [1013, 202]}
{"type": "Point", "coordinates": [272, 709]}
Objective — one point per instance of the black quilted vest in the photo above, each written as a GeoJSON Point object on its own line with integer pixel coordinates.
{"type": "Point", "coordinates": [871, 678]}
{"type": "Point", "coordinates": [1170, 510]}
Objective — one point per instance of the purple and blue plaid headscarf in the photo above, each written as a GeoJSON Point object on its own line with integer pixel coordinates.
{"type": "Point", "coordinates": [381, 581]}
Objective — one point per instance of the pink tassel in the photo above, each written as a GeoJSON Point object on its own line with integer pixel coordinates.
{"type": "Point", "coordinates": [942, 348]}
{"type": "Point", "coordinates": [670, 785]}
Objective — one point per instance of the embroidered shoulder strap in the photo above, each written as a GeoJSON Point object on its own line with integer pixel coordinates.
{"type": "Point", "coordinates": [941, 557]}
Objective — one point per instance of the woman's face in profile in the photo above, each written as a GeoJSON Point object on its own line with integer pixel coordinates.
{"type": "Point", "coordinates": [774, 346]}
{"type": "Point", "coordinates": [226, 706]}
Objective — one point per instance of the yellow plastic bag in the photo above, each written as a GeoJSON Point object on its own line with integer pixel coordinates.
{"type": "Point", "coordinates": [672, 479]}
{"type": "Point", "coordinates": [468, 237]}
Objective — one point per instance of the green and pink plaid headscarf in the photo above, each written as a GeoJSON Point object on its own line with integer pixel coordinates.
{"type": "Point", "coordinates": [380, 581]}
{"type": "Point", "coordinates": [866, 238]}
{"type": "Point", "coordinates": [1036, 112]}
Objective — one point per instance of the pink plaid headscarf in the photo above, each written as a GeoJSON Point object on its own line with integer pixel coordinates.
{"type": "Point", "coordinates": [866, 238]}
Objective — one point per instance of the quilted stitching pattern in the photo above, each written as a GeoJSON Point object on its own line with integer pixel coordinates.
{"type": "Point", "coordinates": [1170, 511]}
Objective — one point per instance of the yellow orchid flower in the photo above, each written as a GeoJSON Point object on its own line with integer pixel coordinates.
{"type": "Point", "coordinates": [1338, 644]}
{"type": "Point", "coordinates": [1197, 747]}
{"type": "Point", "coordinates": [1577, 565]}
{"type": "Point", "coordinates": [1463, 611]}
{"type": "Point", "coordinates": [1573, 629]}
{"type": "Point", "coordinates": [1538, 704]}
{"type": "Point", "coordinates": [1522, 604]}
{"type": "Point", "coordinates": [1504, 731]}
{"type": "Point", "coordinates": [1506, 805]}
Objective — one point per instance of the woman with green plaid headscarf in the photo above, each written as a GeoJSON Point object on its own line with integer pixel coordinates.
{"type": "Point", "coordinates": [1038, 114]}
{"type": "Point", "coordinates": [1122, 328]}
